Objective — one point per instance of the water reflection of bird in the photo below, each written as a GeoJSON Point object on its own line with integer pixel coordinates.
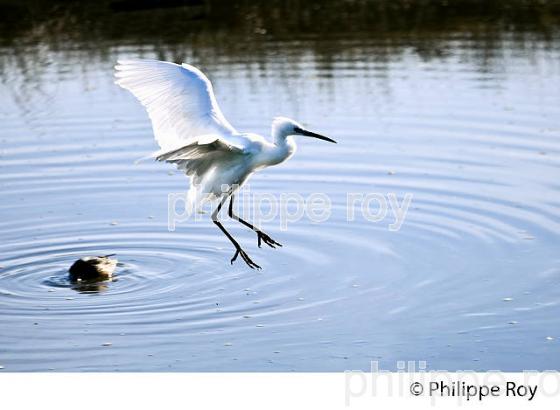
{"type": "Point", "coordinates": [193, 134]}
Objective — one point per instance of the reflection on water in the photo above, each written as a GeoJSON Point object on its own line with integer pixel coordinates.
{"type": "Point", "coordinates": [458, 105]}
{"type": "Point", "coordinates": [81, 286]}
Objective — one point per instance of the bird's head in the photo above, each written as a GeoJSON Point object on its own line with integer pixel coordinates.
{"type": "Point", "coordinates": [283, 127]}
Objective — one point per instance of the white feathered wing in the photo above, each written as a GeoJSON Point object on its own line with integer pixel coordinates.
{"type": "Point", "coordinates": [186, 119]}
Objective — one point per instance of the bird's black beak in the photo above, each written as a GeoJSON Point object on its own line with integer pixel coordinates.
{"type": "Point", "coordinates": [301, 131]}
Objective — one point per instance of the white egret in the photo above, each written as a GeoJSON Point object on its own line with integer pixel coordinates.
{"type": "Point", "coordinates": [193, 133]}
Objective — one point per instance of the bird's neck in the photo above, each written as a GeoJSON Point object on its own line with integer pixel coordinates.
{"type": "Point", "coordinates": [285, 143]}
{"type": "Point", "coordinates": [284, 148]}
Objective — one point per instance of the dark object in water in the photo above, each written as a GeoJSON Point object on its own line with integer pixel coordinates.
{"type": "Point", "coordinates": [92, 268]}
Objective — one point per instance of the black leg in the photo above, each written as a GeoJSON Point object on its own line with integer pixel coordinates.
{"type": "Point", "coordinates": [261, 236]}
{"type": "Point", "coordinates": [238, 250]}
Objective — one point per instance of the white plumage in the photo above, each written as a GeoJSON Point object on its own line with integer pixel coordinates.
{"type": "Point", "coordinates": [192, 133]}
{"type": "Point", "coordinates": [179, 100]}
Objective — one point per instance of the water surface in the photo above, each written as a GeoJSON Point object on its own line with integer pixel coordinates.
{"type": "Point", "coordinates": [460, 110]}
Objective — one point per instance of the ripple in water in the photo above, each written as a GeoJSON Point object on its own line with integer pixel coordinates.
{"type": "Point", "coordinates": [473, 268]}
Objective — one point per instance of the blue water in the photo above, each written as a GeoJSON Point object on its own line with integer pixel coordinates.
{"type": "Point", "coordinates": [470, 281]}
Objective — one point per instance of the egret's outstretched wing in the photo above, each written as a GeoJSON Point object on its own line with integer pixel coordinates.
{"type": "Point", "coordinates": [179, 99]}
{"type": "Point", "coordinates": [198, 158]}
